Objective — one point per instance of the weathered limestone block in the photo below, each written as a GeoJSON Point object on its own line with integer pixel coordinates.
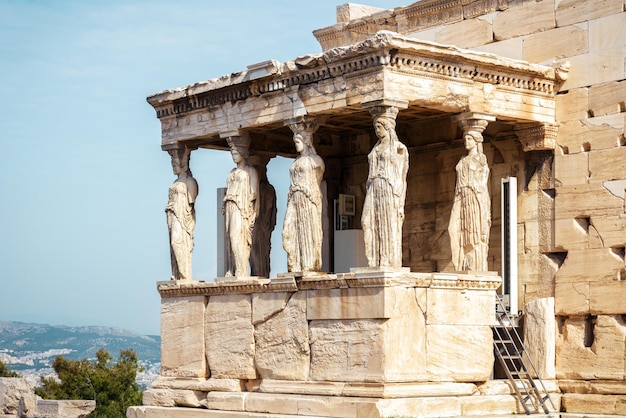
{"type": "Point", "coordinates": [348, 350]}
{"type": "Point", "coordinates": [455, 307]}
{"type": "Point", "coordinates": [607, 32]}
{"type": "Point", "coordinates": [570, 235]}
{"type": "Point", "coordinates": [366, 349]}
{"type": "Point", "coordinates": [571, 169]}
{"type": "Point", "coordinates": [12, 389]}
{"type": "Point", "coordinates": [594, 404]}
{"type": "Point", "coordinates": [198, 384]}
{"type": "Point", "coordinates": [27, 407]}
{"type": "Point", "coordinates": [574, 11]}
{"type": "Point", "coordinates": [563, 42]}
{"type": "Point", "coordinates": [173, 397]}
{"type": "Point", "coordinates": [602, 387]}
{"type": "Point", "coordinates": [591, 265]}
{"type": "Point", "coordinates": [510, 48]}
{"type": "Point", "coordinates": [229, 337]}
{"type": "Point", "coordinates": [266, 305]}
{"type": "Point", "coordinates": [590, 201]}
{"type": "Point", "coordinates": [536, 17]}
{"type": "Point", "coordinates": [593, 348]}
{"type": "Point", "coordinates": [611, 229]}
{"type": "Point", "coordinates": [182, 329]}
{"type": "Point", "coordinates": [572, 105]}
{"type": "Point", "coordinates": [607, 298]}
{"type": "Point", "coordinates": [490, 405]}
{"type": "Point", "coordinates": [349, 11]}
{"type": "Point", "coordinates": [227, 401]}
{"type": "Point", "coordinates": [540, 336]}
{"type": "Point", "coordinates": [595, 68]}
{"type": "Point", "coordinates": [414, 407]}
{"type": "Point", "coordinates": [572, 298]}
{"type": "Point", "coordinates": [607, 96]}
{"type": "Point", "coordinates": [457, 353]}
{"type": "Point", "coordinates": [282, 342]}
{"type": "Point", "coordinates": [466, 33]}
{"type": "Point", "coordinates": [605, 165]}
{"type": "Point", "coordinates": [579, 135]}
{"type": "Point", "coordinates": [65, 409]}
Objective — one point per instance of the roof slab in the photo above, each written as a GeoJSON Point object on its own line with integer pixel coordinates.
{"type": "Point", "coordinates": [424, 80]}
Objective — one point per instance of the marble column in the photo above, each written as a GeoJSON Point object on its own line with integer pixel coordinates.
{"type": "Point", "coordinates": [470, 219]}
{"type": "Point", "coordinates": [302, 229]}
{"type": "Point", "coordinates": [266, 220]}
{"type": "Point", "coordinates": [240, 206]}
{"type": "Point", "coordinates": [383, 209]}
{"type": "Point", "coordinates": [181, 214]}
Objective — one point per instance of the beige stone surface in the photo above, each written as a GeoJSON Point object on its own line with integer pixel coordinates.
{"type": "Point", "coordinates": [572, 105]}
{"type": "Point", "coordinates": [576, 136]}
{"type": "Point", "coordinates": [451, 307]}
{"type": "Point", "coordinates": [608, 298]}
{"type": "Point", "coordinates": [227, 401]}
{"type": "Point", "coordinates": [348, 350]}
{"type": "Point", "coordinates": [12, 389]}
{"type": "Point", "coordinates": [609, 164]}
{"type": "Point", "coordinates": [540, 336]}
{"type": "Point", "coordinates": [182, 342]}
{"type": "Point", "coordinates": [604, 358]}
{"type": "Point", "coordinates": [282, 342]}
{"type": "Point", "coordinates": [173, 397]}
{"type": "Point", "coordinates": [229, 337]}
{"type": "Point", "coordinates": [607, 95]}
{"type": "Point", "coordinates": [537, 17]}
{"type": "Point", "coordinates": [571, 169]}
{"type": "Point", "coordinates": [591, 265]}
{"type": "Point", "coordinates": [198, 384]}
{"type": "Point", "coordinates": [572, 298]}
{"type": "Point", "coordinates": [594, 68]}
{"type": "Point", "coordinates": [613, 405]}
{"type": "Point", "coordinates": [607, 32]}
{"type": "Point", "coordinates": [601, 387]}
{"type": "Point", "coordinates": [468, 33]}
{"type": "Point", "coordinates": [351, 11]}
{"type": "Point", "coordinates": [575, 11]}
{"type": "Point", "coordinates": [266, 305]}
{"type": "Point", "coordinates": [586, 201]}
{"type": "Point", "coordinates": [447, 362]}
{"type": "Point", "coordinates": [563, 42]}
{"type": "Point", "coordinates": [509, 48]}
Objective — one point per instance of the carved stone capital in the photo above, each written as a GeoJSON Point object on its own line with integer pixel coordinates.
{"type": "Point", "coordinates": [237, 139]}
{"type": "Point", "coordinates": [536, 137]}
{"type": "Point", "coordinates": [472, 121]}
{"type": "Point", "coordinates": [303, 124]}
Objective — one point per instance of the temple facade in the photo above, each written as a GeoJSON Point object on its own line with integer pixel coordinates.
{"type": "Point", "coordinates": [474, 149]}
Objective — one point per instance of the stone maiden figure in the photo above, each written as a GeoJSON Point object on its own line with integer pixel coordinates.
{"type": "Point", "coordinates": [302, 228]}
{"type": "Point", "coordinates": [240, 207]}
{"type": "Point", "coordinates": [383, 209]}
{"type": "Point", "coordinates": [181, 214]}
{"type": "Point", "coordinates": [470, 219]}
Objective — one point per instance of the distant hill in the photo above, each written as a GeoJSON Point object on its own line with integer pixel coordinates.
{"type": "Point", "coordinates": [30, 349]}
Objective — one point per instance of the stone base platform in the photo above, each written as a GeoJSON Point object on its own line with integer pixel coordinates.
{"type": "Point", "coordinates": [492, 398]}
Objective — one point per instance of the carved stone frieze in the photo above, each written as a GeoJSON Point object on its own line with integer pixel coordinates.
{"type": "Point", "coordinates": [536, 137]}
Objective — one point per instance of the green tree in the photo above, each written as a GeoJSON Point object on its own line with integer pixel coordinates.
{"type": "Point", "coordinates": [112, 385]}
{"type": "Point", "coordinates": [5, 371]}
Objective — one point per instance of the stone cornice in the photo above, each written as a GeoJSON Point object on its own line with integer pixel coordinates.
{"type": "Point", "coordinates": [330, 281]}
{"type": "Point", "coordinates": [383, 51]}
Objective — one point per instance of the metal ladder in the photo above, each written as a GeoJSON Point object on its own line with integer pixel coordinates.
{"type": "Point", "coordinates": [510, 352]}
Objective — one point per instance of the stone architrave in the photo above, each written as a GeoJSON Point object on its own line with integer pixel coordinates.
{"type": "Point", "coordinates": [240, 207]}
{"type": "Point", "coordinates": [383, 210]}
{"type": "Point", "coordinates": [265, 223]}
{"type": "Point", "coordinates": [181, 214]}
{"type": "Point", "coordinates": [470, 219]}
{"type": "Point", "coordinates": [302, 228]}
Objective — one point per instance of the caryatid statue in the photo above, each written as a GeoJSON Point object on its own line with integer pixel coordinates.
{"type": "Point", "coordinates": [266, 220]}
{"type": "Point", "coordinates": [470, 219]}
{"type": "Point", "coordinates": [240, 207]}
{"type": "Point", "coordinates": [383, 210]}
{"type": "Point", "coordinates": [181, 215]}
{"type": "Point", "coordinates": [302, 229]}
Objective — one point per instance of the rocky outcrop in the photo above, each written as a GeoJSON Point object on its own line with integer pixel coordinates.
{"type": "Point", "coordinates": [17, 400]}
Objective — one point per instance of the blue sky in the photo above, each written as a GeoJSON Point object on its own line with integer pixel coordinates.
{"type": "Point", "coordinates": [84, 236]}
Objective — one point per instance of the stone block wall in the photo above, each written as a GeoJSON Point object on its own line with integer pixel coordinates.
{"type": "Point", "coordinates": [574, 220]}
